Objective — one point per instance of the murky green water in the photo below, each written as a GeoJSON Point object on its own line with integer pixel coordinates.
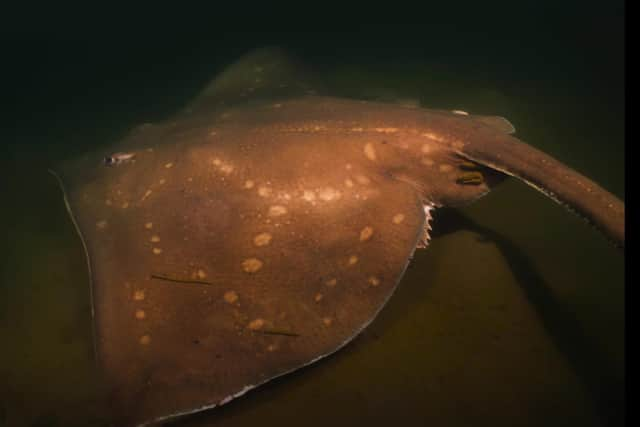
{"type": "Point", "coordinates": [513, 316]}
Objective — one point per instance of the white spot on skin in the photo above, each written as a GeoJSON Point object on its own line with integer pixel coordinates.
{"type": "Point", "coordinates": [327, 321]}
{"type": "Point", "coordinates": [168, 165]}
{"type": "Point", "coordinates": [140, 314]}
{"type": "Point", "coordinates": [427, 161]}
{"type": "Point", "coordinates": [162, 181]}
{"type": "Point", "coordinates": [200, 274]}
{"type": "Point", "coordinates": [262, 239]}
{"type": "Point", "coordinates": [101, 225]}
{"type": "Point", "coordinates": [264, 191]}
{"type": "Point", "coordinates": [366, 233]}
{"type": "Point", "coordinates": [256, 324]}
{"type": "Point", "coordinates": [356, 129]}
{"type": "Point", "coordinates": [251, 265]}
{"type": "Point", "coordinates": [216, 162]}
{"type": "Point", "coordinates": [148, 225]}
{"type": "Point", "coordinates": [369, 151]}
{"type": "Point", "coordinates": [272, 347]}
{"type": "Point", "coordinates": [331, 282]}
{"type": "Point", "coordinates": [433, 136]}
{"type": "Point", "coordinates": [353, 260]}
{"type": "Point", "coordinates": [445, 168]}
{"type": "Point", "coordinates": [157, 251]}
{"type": "Point", "coordinates": [374, 281]}
{"type": "Point", "coordinates": [362, 179]}
{"type": "Point", "coordinates": [318, 297]}
{"type": "Point", "coordinates": [308, 195]}
{"type": "Point", "coordinates": [155, 238]}
{"type": "Point", "coordinates": [138, 295]}
{"type": "Point", "coordinates": [460, 112]}
{"type": "Point", "coordinates": [386, 130]}
{"type": "Point", "coordinates": [248, 184]}
{"type": "Point", "coordinates": [230, 297]}
{"type": "Point", "coordinates": [146, 194]}
{"type": "Point", "coordinates": [348, 183]}
{"type": "Point", "coordinates": [145, 340]}
{"type": "Point", "coordinates": [398, 218]}
{"type": "Point", "coordinates": [327, 194]}
{"type": "Point", "coordinates": [226, 168]}
{"type": "Point", "coordinates": [277, 210]}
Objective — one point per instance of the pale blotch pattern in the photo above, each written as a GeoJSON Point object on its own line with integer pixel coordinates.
{"type": "Point", "coordinates": [108, 202]}
{"type": "Point", "coordinates": [157, 251]}
{"type": "Point", "coordinates": [460, 112]}
{"type": "Point", "coordinates": [348, 183]}
{"type": "Point", "coordinates": [386, 130]}
{"type": "Point", "coordinates": [374, 281]}
{"type": "Point", "coordinates": [125, 205]}
{"type": "Point", "coordinates": [398, 218]}
{"type": "Point", "coordinates": [264, 191]}
{"type": "Point", "coordinates": [162, 181]}
{"type": "Point", "coordinates": [308, 195]}
{"type": "Point", "coordinates": [155, 238]}
{"type": "Point", "coordinates": [318, 297]}
{"type": "Point", "coordinates": [145, 340]}
{"type": "Point", "coordinates": [427, 161]}
{"type": "Point", "coordinates": [256, 324]}
{"type": "Point", "coordinates": [366, 233]}
{"type": "Point", "coordinates": [356, 129]}
{"type": "Point", "coordinates": [277, 210]}
{"type": "Point", "coordinates": [200, 274]}
{"type": "Point", "coordinates": [276, 105]}
{"type": "Point", "coordinates": [272, 347]}
{"type": "Point", "coordinates": [348, 166]}
{"type": "Point", "coordinates": [148, 225]}
{"type": "Point", "coordinates": [146, 194]}
{"type": "Point", "coordinates": [168, 165]}
{"type": "Point", "coordinates": [362, 179]}
{"type": "Point", "coordinates": [328, 194]}
{"type": "Point", "coordinates": [251, 265]}
{"type": "Point", "coordinates": [138, 295]}
{"type": "Point", "coordinates": [426, 148]}
{"type": "Point", "coordinates": [327, 321]}
{"type": "Point", "coordinates": [331, 282]}
{"type": "Point", "coordinates": [444, 168]}
{"type": "Point", "coordinates": [458, 145]}
{"type": "Point", "coordinates": [102, 224]}
{"type": "Point", "coordinates": [248, 184]}
{"type": "Point", "coordinates": [353, 260]}
{"type": "Point", "coordinates": [369, 151]}
{"type": "Point", "coordinates": [140, 314]}
{"type": "Point", "coordinates": [262, 239]}
{"type": "Point", "coordinates": [230, 297]}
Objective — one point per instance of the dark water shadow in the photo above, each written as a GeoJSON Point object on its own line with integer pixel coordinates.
{"type": "Point", "coordinates": [587, 360]}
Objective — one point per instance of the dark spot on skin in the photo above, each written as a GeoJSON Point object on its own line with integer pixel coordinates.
{"type": "Point", "coordinates": [218, 356]}
{"type": "Point", "coordinates": [196, 341]}
{"type": "Point", "coordinates": [383, 142]}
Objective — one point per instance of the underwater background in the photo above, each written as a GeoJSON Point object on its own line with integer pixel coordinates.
{"type": "Point", "coordinates": [514, 314]}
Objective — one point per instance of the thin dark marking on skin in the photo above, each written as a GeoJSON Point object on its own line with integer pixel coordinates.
{"type": "Point", "coordinates": [276, 332]}
{"type": "Point", "coordinates": [175, 280]}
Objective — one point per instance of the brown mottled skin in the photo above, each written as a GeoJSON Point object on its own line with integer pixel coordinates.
{"type": "Point", "coordinates": [313, 173]}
